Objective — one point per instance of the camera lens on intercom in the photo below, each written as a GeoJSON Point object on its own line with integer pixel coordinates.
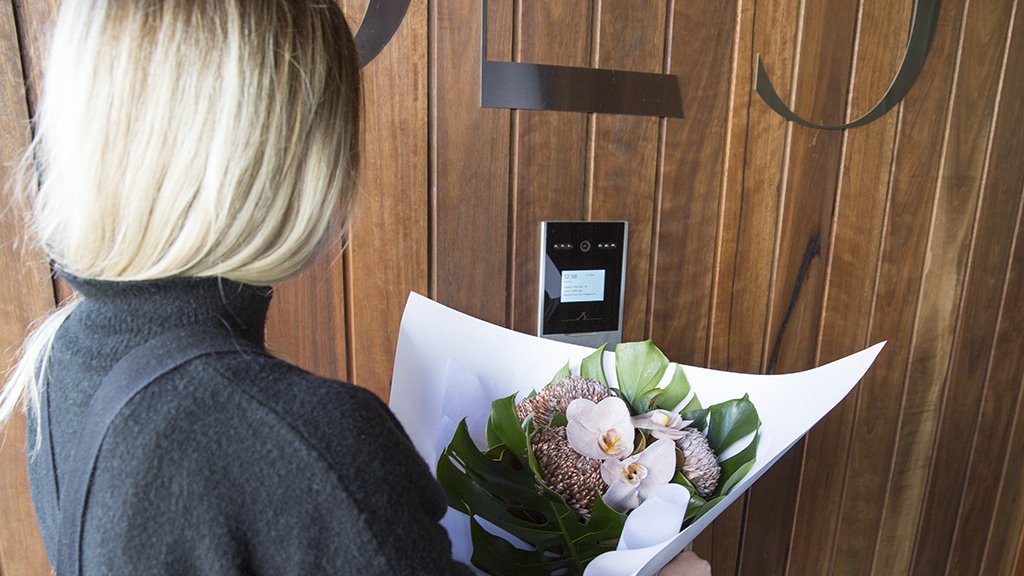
{"type": "Point", "coordinates": [585, 245]}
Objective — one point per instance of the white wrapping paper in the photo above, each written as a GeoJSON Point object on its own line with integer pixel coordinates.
{"type": "Point", "coordinates": [450, 366]}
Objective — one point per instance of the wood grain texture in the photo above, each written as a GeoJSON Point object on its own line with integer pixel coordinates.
{"type": "Point", "coordinates": [692, 173]}
{"type": "Point", "coordinates": [354, 11]}
{"type": "Point", "coordinates": [26, 294]}
{"type": "Point", "coordinates": [752, 193]}
{"type": "Point", "coordinates": [306, 322]}
{"type": "Point", "coordinates": [852, 256]}
{"type": "Point", "coordinates": [973, 432]}
{"type": "Point", "coordinates": [388, 249]}
{"type": "Point", "coordinates": [469, 162]}
{"type": "Point", "coordinates": [736, 282]}
{"type": "Point", "coordinates": [750, 204]}
{"type": "Point", "coordinates": [905, 233]}
{"type": "Point", "coordinates": [970, 118]}
{"type": "Point", "coordinates": [549, 148]}
{"type": "Point", "coordinates": [809, 185]}
{"type": "Point", "coordinates": [1006, 380]}
{"type": "Point", "coordinates": [755, 245]}
{"type": "Point", "coordinates": [624, 149]}
{"type": "Point", "coordinates": [34, 18]}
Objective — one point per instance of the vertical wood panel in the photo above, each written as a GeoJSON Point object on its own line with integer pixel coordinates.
{"type": "Point", "coordinates": [967, 437]}
{"type": "Point", "coordinates": [749, 217]}
{"type": "Point", "coordinates": [388, 251]}
{"type": "Point", "coordinates": [692, 175]}
{"type": "Point", "coordinates": [549, 147]}
{"type": "Point", "coordinates": [751, 197]}
{"type": "Point", "coordinates": [625, 148]}
{"type": "Point", "coordinates": [809, 185]}
{"type": "Point", "coordinates": [34, 18]}
{"type": "Point", "coordinates": [852, 259]}
{"type": "Point", "coordinates": [469, 150]}
{"type": "Point", "coordinates": [701, 57]}
{"type": "Point", "coordinates": [306, 322]}
{"type": "Point", "coordinates": [908, 214]}
{"type": "Point", "coordinates": [1006, 379]}
{"type": "Point", "coordinates": [25, 294]}
{"type": "Point", "coordinates": [749, 207]}
{"type": "Point", "coordinates": [942, 283]}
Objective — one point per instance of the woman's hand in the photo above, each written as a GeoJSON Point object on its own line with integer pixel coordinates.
{"type": "Point", "coordinates": [686, 564]}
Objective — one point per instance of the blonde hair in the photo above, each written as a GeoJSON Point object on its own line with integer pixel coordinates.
{"type": "Point", "coordinates": [190, 138]}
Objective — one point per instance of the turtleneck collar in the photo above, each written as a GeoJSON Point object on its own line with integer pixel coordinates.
{"type": "Point", "coordinates": [155, 306]}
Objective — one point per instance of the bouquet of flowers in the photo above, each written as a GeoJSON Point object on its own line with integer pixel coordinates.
{"type": "Point", "coordinates": [616, 465]}
{"type": "Point", "coordinates": [565, 465]}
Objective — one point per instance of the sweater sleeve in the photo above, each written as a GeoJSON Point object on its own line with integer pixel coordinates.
{"type": "Point", "coordinates": [396, 499]}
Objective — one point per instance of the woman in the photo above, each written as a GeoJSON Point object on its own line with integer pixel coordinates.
{"type": "Point", "coordinates": [194, 154]}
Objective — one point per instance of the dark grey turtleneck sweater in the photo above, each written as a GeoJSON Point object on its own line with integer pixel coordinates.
{"type": "Point", "coordinates": [232, 464]}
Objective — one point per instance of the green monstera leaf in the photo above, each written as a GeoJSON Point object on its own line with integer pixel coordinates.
{"type": "Point", "coordinates": [724, 424]}
{"type": "Point", "coordinates": [639, 367]}
{"type": "Point", "coordinates": [501, 487]}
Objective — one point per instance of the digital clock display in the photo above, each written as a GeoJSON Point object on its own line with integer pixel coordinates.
{"type": "Point", "coordinates": [582, 286]}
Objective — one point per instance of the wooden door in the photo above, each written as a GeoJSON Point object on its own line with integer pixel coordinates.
{"type": "Point", "coordinates": [755, 244]}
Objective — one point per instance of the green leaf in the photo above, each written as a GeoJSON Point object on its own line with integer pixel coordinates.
{"type": "Point", "coordinates": [693, 404]}
{"type": "Point", "coordinates": [562, 373]}
{"type": "Point", "coordinates": [648, 400]}
{"type": "Point", "coordinates": [558, 419]}
{"type": "Point", "coordinates": [463, 451]}
{"type": "Point", "coordinates": [493, 440]}
{"type": "Point", "coordinates": [708, 506]}
{"type": "Point", "coordinates": [467, 496]}
{"type": "Point", "coordinates": [730, 421]}
{"type": "Point", "coordinates": [737, 466]}
{"type": "Point", "coordinates": [726, 423]}
{"type": "Point", "coordinates": [605, 523]}
{"type": "Point", "coordinates": [736, 476]}
{"type": "Point", "coordinates": [639, 441]}
{"type": "Point", "coordinates": [506, 427]}
{"type": "Point", "coordinates": [504, 490]}
{"type": "Point", "coordinates": [496, 556]}
{"type": "Point", "coordinates": [696, 502]}
{"type": "Point", "coordinates": [593, 367]}
{"type": "Point", "coordinates": [639, 367]}
{"type": "Point", "coordinates": [698, 416]}
{"type": "Point", "coordinates": [676, 391]}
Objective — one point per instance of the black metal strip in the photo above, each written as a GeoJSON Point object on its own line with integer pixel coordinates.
{"type": "Point", "coordinates": [571, 89]}
{"type": "Point", "coordinates": [528, 86]}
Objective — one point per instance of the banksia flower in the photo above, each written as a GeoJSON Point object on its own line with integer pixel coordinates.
{"type": "Point", "coordinates": [557, 396]}
{"type": "Point", "coordinates": [700, 464]}
{"type": "Point", "coordinates": [572, 475]}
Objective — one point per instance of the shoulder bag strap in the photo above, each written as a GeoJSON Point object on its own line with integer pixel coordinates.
{"type": "Point", "coordinates": [128, 377]}
{"type": "Point", "coordinates": [46, 453]}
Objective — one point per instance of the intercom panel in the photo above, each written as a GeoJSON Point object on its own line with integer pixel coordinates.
{"type": "Point", "coordinates": [582, 282]}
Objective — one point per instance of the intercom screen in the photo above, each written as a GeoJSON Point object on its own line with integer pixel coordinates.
{"type": "Point", "coordinates": [582, 286]}
{"type": "Point", "coordinates": [582, 276]}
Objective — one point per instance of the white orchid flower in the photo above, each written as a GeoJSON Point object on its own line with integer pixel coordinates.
{"type": "Point", "coordinates": [662, 424]}
{"type": "Point", "coordinates": [600, 431]}
{"type": "Point", "coordinates": [633, 480]}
